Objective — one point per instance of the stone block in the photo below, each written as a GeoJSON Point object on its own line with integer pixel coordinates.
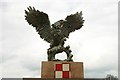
{"type": "Point", "coordinates": [62, 69]}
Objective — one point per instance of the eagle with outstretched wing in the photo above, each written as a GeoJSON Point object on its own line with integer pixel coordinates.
{"type": "Point", "coordinates": [56, 33]}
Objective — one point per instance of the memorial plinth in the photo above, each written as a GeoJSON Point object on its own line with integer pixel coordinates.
{"type": "Point", "coordinates": [62, 69]}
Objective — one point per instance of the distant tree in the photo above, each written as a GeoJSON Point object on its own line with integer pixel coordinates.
{"type": "Point", "coordinates": [111, 77]}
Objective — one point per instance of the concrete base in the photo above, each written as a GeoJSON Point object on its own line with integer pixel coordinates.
{"type": "Point", "coordinates": [62, 69]}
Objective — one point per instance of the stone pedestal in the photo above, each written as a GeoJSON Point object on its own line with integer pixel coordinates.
{"type": "Point", "coordinates": [62, 69]}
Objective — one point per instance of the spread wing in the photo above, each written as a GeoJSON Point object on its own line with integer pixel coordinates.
{"type": "Point", "coordinates": [72, 22]}
{"type": "Point", "coordinates": [40, 21]}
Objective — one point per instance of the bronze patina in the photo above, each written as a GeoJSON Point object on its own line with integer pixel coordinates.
{"type": "Point", "coordinates": [56, 33]}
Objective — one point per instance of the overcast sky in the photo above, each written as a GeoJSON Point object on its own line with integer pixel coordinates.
{"type": "Point", "coordinates": [95, 44]}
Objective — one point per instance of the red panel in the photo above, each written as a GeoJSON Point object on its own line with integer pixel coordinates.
{"type": "Point", "coordinates": [65, 74]}
{"type": "Point", "coordinates": [58, 67]}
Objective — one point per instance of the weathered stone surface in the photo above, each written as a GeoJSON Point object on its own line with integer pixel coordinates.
{"type": "Point", "coordinates": [75, 68]}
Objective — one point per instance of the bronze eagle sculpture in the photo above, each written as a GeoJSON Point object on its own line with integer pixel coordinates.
{"type": "Point", "coordinates": [56, 33]}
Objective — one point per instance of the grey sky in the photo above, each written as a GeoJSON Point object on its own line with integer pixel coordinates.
{"type": "Point", "coordinates": [95, 44]}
